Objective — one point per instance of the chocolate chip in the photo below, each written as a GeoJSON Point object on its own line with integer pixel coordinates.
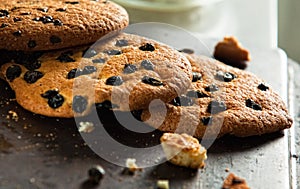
{"type": "Point", "coordinates": [237, 181]}
{"type": "Point", "coordinates": [147, 47]}
{"type": "Point", "coordinates": [114, 80]}
{"type": "Point", "coordinates": [36, 19]}
{"type": "Point", "coordinates": [206, 120]}
{"type": "Point", "coordinates": [182, 101]}
{"type": "Point", "coordinates": [151, 81]}
{"type": "Point", "coordinates": [196, 77]}
{"type": "Point", "coordinates": [17, 19]}
{"type": "Point", "coordinates": [57, 22]}
{"type": "Point", "coordinates": [17, 33]}
{"type": "Point", "coordinates": [61, 9]}
{"type": "Point", "coordinates": [32, 76]}
{"type": "Point", "coordinates": [129, 68]}
{"type": "Point", "coordinates": [122, 43]}
{"type": "Point", "coordinates": [3, 13]}
{"type": "Point", "coordinates": [88, 70]}
{"type": "Point", "coordinates": [196, 94]}
{"type": "Point", "coordinates": [33, 65]}
{"type": "Point", "coordinates": [96, 174]}
{"type": "Point", "coordinates": [31, 44]}
{"type": "Point", "coordinates": [25, 13]}
{"type": "Point", "coordinates": [55, 100]}
{"type": "Point", "coordinates": [65, 57]}
{"type": "Point", "coordinates": [106, 105]}
{"type": "Point", "coordinates": [72, 2]}
{"type": "Point", "coordinates": [263, 87]}
{"type": "Point", "coordinates": [72, 74]}
{"type": "Point", "coordinates": [46, 19]}
{"type": "Point", "coordinates": [187, 51]}
{"type": "Point", "coordinates": [212, 88]}
{"type": "Point", "coordinates": [137, 114]}
{"type": "Point", "coordinates": [89, 53]}
{"type": "Point", "coordinates": [147, 64]}
{"type": "Point", "coordinates": [79, 104]}
{"type": "Point", "coordinates": [227, 76]}
{"type": "Point", "coordinates": [113, 52]}
{"type": "Point", "coordinates": [55, 39]}
{"type": "Point", "coordinates": [13, 72]}
{"type": "Point", "coordinates": [99, 60]}
{"type": "Point", "coordinates": [251, 104]}
{"type": "Point", "coordinates": [215, 107]}
{"type": "Point", "coordinates": [45, 9]}
{"type": "Point", "coordinates": [3, 25]}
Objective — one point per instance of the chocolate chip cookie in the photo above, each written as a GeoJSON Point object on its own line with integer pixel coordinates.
{"type": "Point", "coordinates": [45, 25]}
{"type": "Point", "coordinates": [222, 100]}
{"type": "Point", "coordinates": [124, 72]}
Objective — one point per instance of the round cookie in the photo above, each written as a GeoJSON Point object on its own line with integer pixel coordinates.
{"type": "Point", "coordinates": [124, 72]}
{"type": "Point", "coordinates": [222, 100]}
{"type": "Point", "coordinates": [45, 25]}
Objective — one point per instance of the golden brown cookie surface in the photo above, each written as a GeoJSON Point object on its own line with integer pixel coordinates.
{"type": "Point", "coordinates": [45, 25]}
{"type": "Point", "coordinates": [125, 71]}
{"type": "Point", "coordinates": [222, 100]}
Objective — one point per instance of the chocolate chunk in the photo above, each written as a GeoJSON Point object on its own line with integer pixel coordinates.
{"type": "Point", "coordinates": [114, 80]}
{"type": "Point", "coordinates": [17, 33]}
{"type": "Point", "coordinates": [55, 100]}
{"type": "Point", "coordinates": [182, 101]}
{"type": "Point", "coordinates": [88, 70]}
{"type": "Point", "coordinates": [129, 68]}
{"type": "Point", "coordinates": [3, 13]}
{"type": "Point", "coordinates": [17, 19]}
{"type": "Point", "coordinates": [32, 76]}
{"type": "Point", "coordinates": [31, 44]}
{"type": "Point", "coordinates": [57, 22]}
{"type": "Point", "coordinates": [113, 52]}
{"type": "Point", "coordinates": [99, 60]}
{"type": "Point", "coordinates": [33, 65]}
{"type": "Point", "coordinates": [3, 25]}
{"type": "Point", "coordinates": [61, 9]}
{"type": "Point", "coordinates": [89, 53]}
{"type": "Point", "coordinates": [72, 74]}
{"type": "Point", "coordinates": [196, 94]}
{"type": "Point", "coordinates": [72, 2]}
{"type": "Point", "coordinates": [45, 9]}
{"type": "Point", "coordinates": [122, 43]}
{"type": "Point", "coordinates": [46, 19]}
{"type": "Point", "coordinates": [147, 64]}
{"type": "Point", "coordinates": [206, 120]}
{"type": "Point", "coordinates": [147, 47]}
{"type": "Point", "coordinates": [151, 81]}
{"type": "Point", "coordinates": [215, 107]}
{"type": "Point", "coordinates": [13, 72]}
{"type": "Point", "coordinates": [25, 13]}
{"type": "Point", "coordinates": [251, 104]}
{"type": "Point", "coordinates": [55, 39]}
{"type": "Point", "coordinates": [49, 93]}
{"type": "Point", "coordinates": [65, 57]}
{"type": "Point", "coordinates": [226, 77]}
{"type": "Point", "coordinates": [79, 104]}
{"type": "Point", "coordinates": [196, 76]}
{"type": "Point", "coordinates": [106, 105]}
{"type": "Point", "coordinates": [187, 51]}
{"type": "Point", "coordinates": [237, 181]}
{"type": "Point", "coordinates": [212, 88]}
{"type": "Point", "coordinates": [263, 87]}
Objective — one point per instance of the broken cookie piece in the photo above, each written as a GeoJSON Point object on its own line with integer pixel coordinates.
{"type": "Point", "coordinates": [231, 52]}
{"type": "Point", "coordinates": [183, 150]}
{"type": "Point", "coordinates": [234, 182]}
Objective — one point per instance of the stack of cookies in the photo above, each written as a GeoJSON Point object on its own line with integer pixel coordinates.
{"type": "Point", "coordinates": [62, 58]}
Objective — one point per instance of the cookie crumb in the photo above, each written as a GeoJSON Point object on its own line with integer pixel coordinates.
{"type": "Point", "coordinates": [131, 165]}
{"type": "Point", "coordinates": [234, 182]}
{"type": "Point", "coordinates": [183, 150]}
{"type": "Point", "coordinates": [14, 116]}
{"type": "Point", "coordinates": [163, 184]}
{"type": "Point", "coordinates": [86, 127]}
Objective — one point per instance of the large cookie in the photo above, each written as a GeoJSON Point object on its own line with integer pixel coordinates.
{"type": "Point", "coordinates": [124, 72]}
{"type": "Point", "coordinates": [225, 100]}
{"type": "Point", "coordinates": [44, 25]}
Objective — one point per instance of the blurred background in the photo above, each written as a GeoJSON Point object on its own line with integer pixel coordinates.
{"type": "Point", "coordinates": [289, 27]}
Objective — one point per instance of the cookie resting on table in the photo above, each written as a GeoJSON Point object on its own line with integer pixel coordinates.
{"type": "Point", "coordinates": [44, 25]}
{"type": "Point", "coordinates": [124, 72]}
{"type": "Point", "coordinates": [222, 100]}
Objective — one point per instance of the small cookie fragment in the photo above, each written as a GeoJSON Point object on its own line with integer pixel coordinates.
{"type": "Point", "coordinates": [234, 182]}
{"type": "Point", "coordinates": [231, 52]}
{"type": "Point", "coordinates": [183, 150]}
{"type": "Point", "coordinates": [86, 127]}
{"type": "Point", "coordinates": [163, 184]}
{"type": "Point", "coordinates": [131, 165]}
